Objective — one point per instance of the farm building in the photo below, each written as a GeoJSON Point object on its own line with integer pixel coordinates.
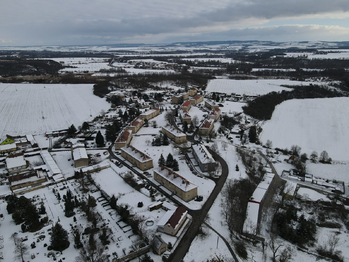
{"type": "Point", "coordinates": [79, 155]}
{"type": "Point", "coordinates": [15, 164]}
{"type": "Point", "coordinates": [137, 157]}
{"type": "Point", "coordinates": [151, 113]}
{"type": "Point", "coordinates": [172, 221]}
{"type": "Point", "coordinates": [174, 134]}
{"type": "Point", "coordinates": [206, 127]}
{"type": "Point", "coordinates": [53, 170]}
{"type": "Point", "coordinates": [7, 148]}
{"type": "Point", "coordinates": [204, 158]}
{"type": "Point", "coordinates": [175, 183]}
{"type": "Point", "coordinates": [123, 139]}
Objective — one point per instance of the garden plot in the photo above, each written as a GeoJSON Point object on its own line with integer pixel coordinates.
{"type": "Point", "coordinates": [38, 108]}
{"type": "Point", "coordinates": [83, 64]}
{"type": "Point", "coordinates": [122, 239]}
{"type": "Point", "coordinates": [250, 87]}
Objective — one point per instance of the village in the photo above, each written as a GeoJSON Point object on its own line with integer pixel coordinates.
{"type": "Point", "coordinates": [142, 179]}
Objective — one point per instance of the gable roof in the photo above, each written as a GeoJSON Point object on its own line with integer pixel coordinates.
{"type": "Point", "coordinates": [176, 217]}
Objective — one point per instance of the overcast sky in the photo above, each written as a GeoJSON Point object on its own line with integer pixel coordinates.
{"type": "Point", "coordinates": [94, 22]}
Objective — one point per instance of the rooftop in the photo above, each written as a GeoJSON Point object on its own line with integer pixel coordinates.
{"type": "Point", "coordinates": [79, 153]}
{"type": "Point", "coordinates": [203, 154]}
{"type": "Point", "coordinates": [137, 154]}
{"type": "Point", "coordinates": [206, 124]}
{"type": "Point", "coordinates": [123, 137]}
{"type": "Point", "coordinates": [173, 131]}
{"type": "Point", "coordinates": [186, 103]}
{"type": "Point", "coordinates": [54, 169]}
{"type": "Point", "coordinates": [175, 179]}
{"type": "Point", "coordinates": [150, 111]}
{"type": "Point", "coordinates": [13, 162]}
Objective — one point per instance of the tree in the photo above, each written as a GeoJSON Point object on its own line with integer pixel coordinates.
{"type": "Point", "coordinates": [21, 249]}
{"type": "Point", "coordinates": [99, 139]}
{"type": "Point", "coordinates": [252, 134]}
{"type": "Point", "coordinates": [324, 158]}
{"type": "Point", "coordinates": [71, 130]}
{"type": "Point", "coordinates": [295, 150]}
{"type": "Point", "coordinates": [175, 165]}
{"type": "Point", "coordinates": [169, 160]}
{"type": "Point", "coordinates": [165, 141]}
{"type": "Point", "coordinates": [146, 258]}
{"type": "Point", "coordinates": [314, 157]}
{"type": "Point", "coordinates": [161, 160]}
{"type": "Point", "coordinates": [85, 126]}
{"type": "Point", "coordinates": [195, 121]}
{"type": "Point", "coordinates": [89, 254]}
{"type": "Point", "coordinates": [269, 144]}
{"type": "Point", "coordinates": [59, 238]}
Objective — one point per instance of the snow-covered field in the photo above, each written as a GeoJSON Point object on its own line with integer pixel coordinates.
{"type": "Point", "coordinates": [37, 108]}
{"type": "Point", "coordinates": [250, 87]}
{"type": "Point", "coordinates": [312, 124]}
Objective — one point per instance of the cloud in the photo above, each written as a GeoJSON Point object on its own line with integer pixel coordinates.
{"type": "Point", "coordinates": [113, 21]}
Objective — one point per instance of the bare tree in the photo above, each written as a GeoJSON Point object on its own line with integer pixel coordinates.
{"type": "Point", "coordinates": [195, 120]}
{"type": "Point", "coordinates": [269, 144]}
{"type": "Point", "coordinates": [21, 249]}
{"type": "Point", "coordinates": [224, 145]}
{"type": "Point", "coordinates": [332, 242]}
{"type": "Point", "coordinates": [274, 247]}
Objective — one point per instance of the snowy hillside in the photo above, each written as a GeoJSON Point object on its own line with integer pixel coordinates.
{"type": "Point", "coordinates": [37, 108]}
{"type": "Point", "coordinates": [312, 124]}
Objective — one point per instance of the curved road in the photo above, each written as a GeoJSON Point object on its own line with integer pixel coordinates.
{"type": "Point", "coordinates": [198, 215]}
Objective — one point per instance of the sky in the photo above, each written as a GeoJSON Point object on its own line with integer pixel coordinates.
{"type": "Point", "coordinates": [102, 22]}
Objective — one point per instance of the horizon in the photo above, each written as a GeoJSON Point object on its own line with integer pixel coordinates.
{"type": "Point", "coordinates": [47, 23]}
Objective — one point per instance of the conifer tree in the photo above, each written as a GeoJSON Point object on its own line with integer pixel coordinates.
{"type": "Point", "coordinates": [161, 160]}
{"type": "Point", "coordinates": [59, 238]}
{"type": "Point", "coordinates": [99, 139]}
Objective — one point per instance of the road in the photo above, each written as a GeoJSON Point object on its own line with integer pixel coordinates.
{"type": "Point", "coordinates": [198, 216]}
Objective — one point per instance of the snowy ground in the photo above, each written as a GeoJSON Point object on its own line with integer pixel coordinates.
{"type": "Point", "coordinates": [38, 108]}
{"type": "Point", "coordinates": [250, 87]}
{"type": "Point", "coordinates": [312, 124]}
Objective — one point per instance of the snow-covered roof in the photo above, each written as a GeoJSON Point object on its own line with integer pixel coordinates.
{"type": "Point", "coordinates": [175, 179]}
{"type": "Point", "coordinates": [79, 152]}
{"type": "Point", "coordinates": [203, 154]}
{"type": "Point", "coordinates": [173, 131]}
{"type": "Point", "coordinates": [177, 217]}
{"type": "Point", "coordinates": [163, 221]}
{"type": "Point", "coordinates": [136, 121]}
{"type": "Point", "coordinates": [46, 156]}
{"type": "Point", "coordinates": [136, 154]}
{"type": "Point", "coordinates": [251, 222]}
{"type": "Point", "coordinates": [262, 188]}
{"type": "Point", "coordinates": [123, 137]}
{"type": "Point", "coordinates": [31, 139]}
{"type": "Point", "coordinates": [206, 124]}
{"type": "Point", "coordinates": [186, 104]}
{"type": "Point", "coordinates": [13, 162]}
{"type": "Point", "coordinates": [184, 114]}
{"type": "Point", "coordinates": [8, 147]}
{"type": "Point", "coordinates": [150, 111]}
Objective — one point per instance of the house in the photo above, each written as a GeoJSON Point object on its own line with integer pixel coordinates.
{"type": "Point", "coordinates": [7, 148]}
{"type": "Point", "coordinates": [186, 105]}
{"type": "Point", "coordinates": [215, 114]}
{"type": "Point", "coordinates": [15, 164]}
{"type": "Point", "coordinates": [79, 155]}
{"type": "Point", "coordinates": [204, 158]}
{"type": "Point", "coordinates": [192, 92]}
{"type": "Point", "coordinates": [174, 134]}
{"type": "Point", "coordinates": [177, 99]}
{"type": "Point", "coordinates": [137, 157]}
{"type": "Point", "coordinates": [151, 113]}
{"type": "Point", "coordinates": [197, 99]}
{"type": "Point", "coordinates": [175, 183]}
{"type": "Point", "coordinates": [206, 127]}
{"type": "Point", "coordinates": [136, 124]}
{"type": "Point", "coordinates": [184, 116]}
{"type": "Point", "coordinates": [123, 139]}
{"type": "Point", "coordinates": [172, 221]}
{"type": "Point", "coordinates": [211, 104]}
{"type": "Point", "coordinates": [159, 245]}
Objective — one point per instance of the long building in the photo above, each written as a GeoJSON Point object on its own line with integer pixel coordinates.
{"type": "Point", "coordinates": [174, 134]}
{"type": "Point", "coordinates": [203, 158]}
{"type": "Point", "coordinates": [176, 183]}
{"type": "Point", "coordinates": [123, 139]}
{"type": "Point", "coordinates": [79, 155]}
{"type": "Point", "coordinates": [151, 113]}
{"type": "Point", "coordinates": [206, 127]}
{"type": "Point", "coordinates": [136, 124]}
{"type": "Point", "coordinates": [137, 157]}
